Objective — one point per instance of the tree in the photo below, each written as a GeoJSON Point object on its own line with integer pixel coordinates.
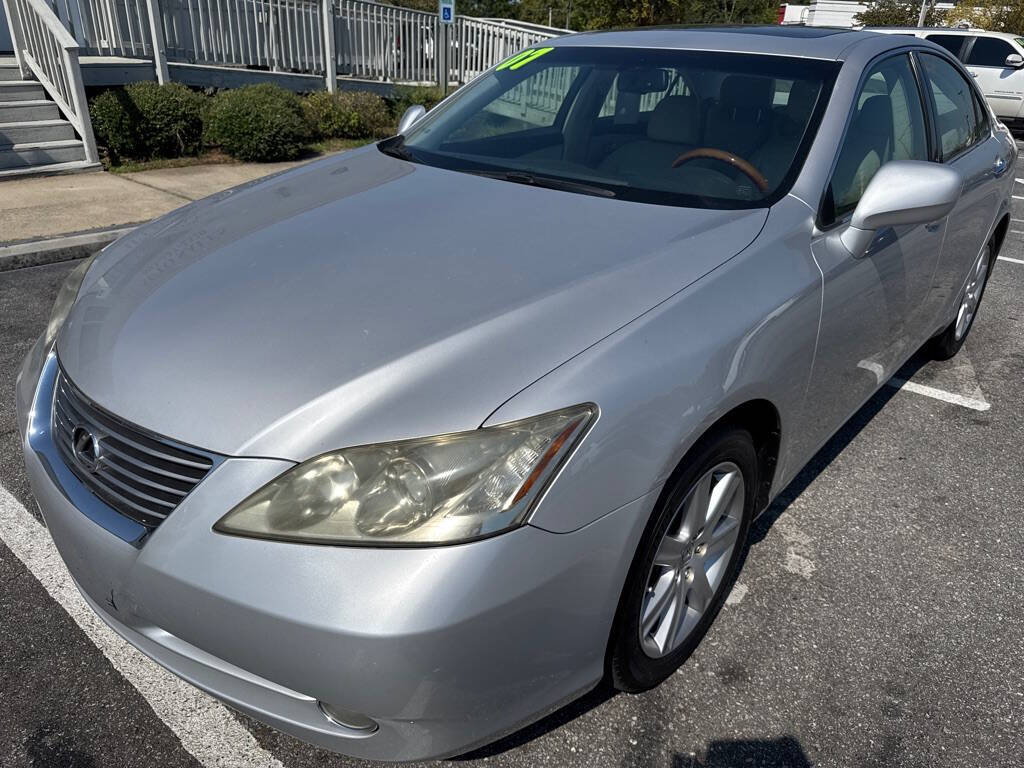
{"type": "Point", "coordinates": [995, 15]}
{"type": "Point", "coordinates": [604, 14]}
{"type": "Point", "coordinates": [486, 8]}
{"type": "Point", "coordinates": [898, 13]}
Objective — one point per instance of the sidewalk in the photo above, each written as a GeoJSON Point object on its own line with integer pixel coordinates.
{"type": "Point", "coordinates": [52, 218]}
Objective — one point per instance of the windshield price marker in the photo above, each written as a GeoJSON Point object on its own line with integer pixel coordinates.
{"type": "Point", "coordinates": [522, 59]}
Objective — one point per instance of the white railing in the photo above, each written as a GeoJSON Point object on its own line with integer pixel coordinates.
{"type": "Point", "coordinates": [384, 42]}
{"type": "Point", "coordinates": [529, 26]}
{"type": "Point", "coordinates": [45, 49]}
{"type": "Point", "coordinates": [478, 44]}
{"type": "Point", "coordinates": [368, 39]}
{"type": "Point", "coordinates": [537, 99]}
{"type": "Point", "coordinates": [279, 35]}
{"type": "Point", "coordinates": [111, 27]}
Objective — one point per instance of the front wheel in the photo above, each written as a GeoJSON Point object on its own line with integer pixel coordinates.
{"type": "Point", "coordinates": [686, 562]}
{"type": "Point", "coordinates": [948, 343]}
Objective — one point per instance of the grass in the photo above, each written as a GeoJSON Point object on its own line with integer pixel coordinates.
{"type": "Point", "coordinates": [211, 157]}
{"type": "Point", "coordinates": [216, 157]}
{"type": "Point", "coordinates": [336, 145]}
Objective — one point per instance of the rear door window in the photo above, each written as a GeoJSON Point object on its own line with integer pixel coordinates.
{"type": "Point", "coordinates": [989, 52]}
{"type": "Point", "coordinates": [952, 43]}
{"type": "Point", "coordinates": [953, 100]}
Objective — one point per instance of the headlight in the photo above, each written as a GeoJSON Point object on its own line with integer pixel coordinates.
{"type": "Point", "coordinates": [436, 490]}
{"type": "Point", "coordinates": [65, 300]}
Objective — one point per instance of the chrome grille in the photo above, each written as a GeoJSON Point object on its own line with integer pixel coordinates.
{"type": "Point", "coordinates": [141, 475]}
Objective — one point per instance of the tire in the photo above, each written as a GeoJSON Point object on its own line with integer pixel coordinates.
{"type": "Point", "coordinates": [691, 561]}
{"type": "Point", "coordinates": [948, 342]}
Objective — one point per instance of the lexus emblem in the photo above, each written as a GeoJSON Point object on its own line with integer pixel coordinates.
{"type": "Point", "coordinates": [87, 450]}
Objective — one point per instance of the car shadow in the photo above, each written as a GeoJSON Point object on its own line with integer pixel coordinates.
{"type": "Point", "coordinates": [785, 751]}
{"type": "Point", "coordinates": [828, 453]}
{"type": "Point", "coordinates": [595, 698]}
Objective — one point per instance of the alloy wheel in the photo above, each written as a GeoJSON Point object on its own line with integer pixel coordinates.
{"type": "Point", "coordinates": [692, 559]}
{"type": "Point", "coordinates": [972, 295]}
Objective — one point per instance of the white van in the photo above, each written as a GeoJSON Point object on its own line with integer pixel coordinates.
{"type": "Point", "coordinates": [995, 59]}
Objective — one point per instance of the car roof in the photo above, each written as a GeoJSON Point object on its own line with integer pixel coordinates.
{"type": "Point", "coordinates": [779, 40]}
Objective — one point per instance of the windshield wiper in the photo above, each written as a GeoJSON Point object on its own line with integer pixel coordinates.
{"type": "Point", "coordinates": [395, 147]}
{"type": "Point", "coordinates": [549, 182]}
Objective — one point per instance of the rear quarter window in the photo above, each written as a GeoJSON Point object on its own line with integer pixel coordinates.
{"type": "Point", "coordinates": [954, 102]}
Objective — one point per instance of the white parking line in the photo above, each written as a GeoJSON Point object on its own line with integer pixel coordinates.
{"type": "Point", "coordinates": [206, 729]}
{"type": "Point", "coordinates": [1012, 261]}
{"type": "Point", "coordinates": [974, 403]}
{"type": "Point", "coordinates": [939, 394]}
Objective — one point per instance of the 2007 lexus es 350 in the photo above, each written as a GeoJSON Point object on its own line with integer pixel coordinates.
{"type": "Point", "coordinates": [404, 448]}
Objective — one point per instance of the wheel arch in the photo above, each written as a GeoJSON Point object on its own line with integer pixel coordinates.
{"type": "Point", "coordinates": [762, 420]}
{"type": "Point", "coordinates": [999, 234]}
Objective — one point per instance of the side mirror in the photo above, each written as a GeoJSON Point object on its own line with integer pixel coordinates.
{"type": "Point", "coordinates": [902, 192]}
{"type": "Point", "coordinates": [1015, 60]}
{"type": "Point", "coordinates": [412, 114]}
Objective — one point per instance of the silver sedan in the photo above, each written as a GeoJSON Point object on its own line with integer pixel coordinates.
{"type": "Point", "coordinates": [402, 449]}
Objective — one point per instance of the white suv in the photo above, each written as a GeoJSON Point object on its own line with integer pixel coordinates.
{"type": "Point", "coordinates": [995, 59]}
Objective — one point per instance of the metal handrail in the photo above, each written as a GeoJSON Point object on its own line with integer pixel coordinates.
{"type": "Point", "coordinates": [529, 26]}
{"type": "Point", "coordinates": [46, 50]}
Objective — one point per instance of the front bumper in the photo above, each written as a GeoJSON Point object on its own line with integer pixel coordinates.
{"type": "Point", "coordinates": [446, 647]}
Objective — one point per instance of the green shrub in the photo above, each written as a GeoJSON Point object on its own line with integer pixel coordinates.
{"type": "Point", "coordinates": [116, 123]}
{"type": "Point", "coordinates": [146, 120]}
{"type": "Point", "coordinates": [405, 96]}
{"type": "Point", "coordinates": [258, 122]}
{"type": "Point", "coordinates": [172, 115]}
{"type": "Point", "coordinates": [348, 115]}
{"type": "Point", "coordinates": [328, 117]}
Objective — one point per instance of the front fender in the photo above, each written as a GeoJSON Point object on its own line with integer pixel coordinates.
{"type": "Point", "coordinates": [745, 331]}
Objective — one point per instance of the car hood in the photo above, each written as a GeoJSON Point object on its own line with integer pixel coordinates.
{"type": "Point", "coordinates": [362, 298]}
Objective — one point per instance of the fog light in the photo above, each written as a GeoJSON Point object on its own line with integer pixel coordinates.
{"type": "Point", "coordinates": [351, 720]}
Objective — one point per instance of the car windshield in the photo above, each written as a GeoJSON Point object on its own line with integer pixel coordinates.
{"type": "Point", "coordinates": [687, 128]}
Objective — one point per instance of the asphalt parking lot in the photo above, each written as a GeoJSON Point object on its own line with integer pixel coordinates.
{"type": "Point", "coordinates": [877, 621]}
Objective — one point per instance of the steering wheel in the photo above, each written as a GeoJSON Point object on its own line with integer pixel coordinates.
{"type": "Point", "coordinates": [726, 157]}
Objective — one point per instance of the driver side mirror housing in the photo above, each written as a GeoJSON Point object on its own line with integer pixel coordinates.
{"type": "Point", "coordinates": [901, 192]}
{"type": "Point", "coordinates": [411, 115]}
{"type": "Point", "coordinates": [1015, 60]}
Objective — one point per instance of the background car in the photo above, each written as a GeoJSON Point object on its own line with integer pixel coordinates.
{"type": "Point", "coordinates": [994, 59]}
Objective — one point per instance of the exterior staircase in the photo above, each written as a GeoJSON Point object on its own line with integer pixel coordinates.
{"type": "Point", "coordinates": [34, 137]}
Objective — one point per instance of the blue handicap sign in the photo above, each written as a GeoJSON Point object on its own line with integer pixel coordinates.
{"type": "Point", "coordinates": [446, 14]}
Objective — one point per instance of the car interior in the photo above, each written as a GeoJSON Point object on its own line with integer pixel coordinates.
{"type": "Point", "coordinates": [703, 132]}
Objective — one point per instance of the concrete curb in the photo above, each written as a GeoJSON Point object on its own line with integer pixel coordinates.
{"type": "Point", "coordinates": [35, 253]}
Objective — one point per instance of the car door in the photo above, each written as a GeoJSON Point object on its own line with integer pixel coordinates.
{"type": "Point", "coordinates": [874, 308]}
{"type": "Point", "coordinates": [1002, 85]}
{"type": "Point", "coordinates": [965, 141]}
